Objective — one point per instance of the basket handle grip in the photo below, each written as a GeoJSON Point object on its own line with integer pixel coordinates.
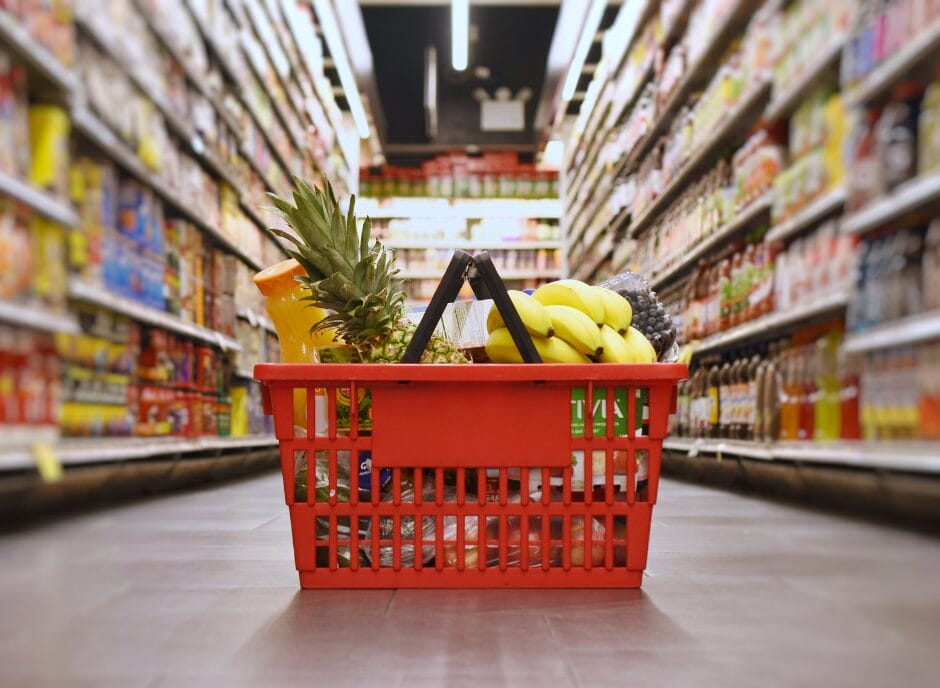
{"type": "Point", "coordinates": [486, 283]}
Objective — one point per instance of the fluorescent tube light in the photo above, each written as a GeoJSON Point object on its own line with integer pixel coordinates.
{"type": "Point", "coordinates": [459, 33]}
{"type": "Point", "coordinates": [593, 20]}
{"type": "Point", "coordinates": [334, 41]}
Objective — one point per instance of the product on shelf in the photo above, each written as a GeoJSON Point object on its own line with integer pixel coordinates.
{"type": "Point", "coordinates": [816, 164]}
{"type": "Point", "coordinates": [493, 175]}
{"type": "Point", "coordinates": [896, 277]}
{"type": "Point", "coordinates": [800, 388]}
{"type": "Point", "coordinates": [882, 29]}
{"type": "Point", "coordinates": [50, 23]}
{"type": "Point", "coordinates": [30, 378]}
{"type": "Point", "coordinates": [804, 31]}
{"type": "Point", "coordinates": [32, 259]}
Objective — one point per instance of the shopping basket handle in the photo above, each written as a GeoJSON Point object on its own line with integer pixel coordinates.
{"type": "Point", "coordinates": [486, 283]}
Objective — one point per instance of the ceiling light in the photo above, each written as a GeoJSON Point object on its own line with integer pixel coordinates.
{"type": "Point", "coordinates": [591, 23]}
{"type": "Point", "coordinates": [459, 33]}
{"type": "Point", "coordinates": [334, 41]}
{"type": "Point", "coordinates": [554, 154]}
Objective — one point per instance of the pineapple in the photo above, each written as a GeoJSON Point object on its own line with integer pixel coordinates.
{"type": "Point", "coordinates": [353, 278]}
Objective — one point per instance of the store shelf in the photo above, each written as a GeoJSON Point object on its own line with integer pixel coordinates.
{"type": "Point", "coordinates": [256, 320]}
{"type": "Point", "coordinates": [695, 446]}
{"type": "Point", "coordinates": [463, 208]}
{"type": "Point", "coordinates": [746, 218]}
{"type": "Point", "coordinates": [785, 102]}
{"type": "Point", "coordinates": [76, 452]}
{"type": "Point", "coordinates": [14, 35]}
{"type": "Point", "coordinates": [102, 136]}
{"type": "Point", "coordinates": [814, 213]}
{"type": "Point", "coordinates": [762, 328]}
{"type": "Point", "coordinates": [495, 245]}
{"type": "Point", "coordinates": [906, 456]}
{"type": "Point", "coordinates": [429, 274]}
{"type": "Point", "coordinates": [177, 123]}
{"type": "Point", "coordinates": [42, 202]}
{"type": "Point", "coordinates": [37, 317]}
{"type": "Point", "coordinates": [99, 296]}
{"type": "Point", "coordinates": [892, 70]}
{"type": "Point", "coordinates": [737, 120]}
{"type": "Point", "coordinates": [237, 81]}
{"type": "Point", "coordinates": [902, 332]}
{"type": "Point", "coordinates": [908, 197]}
{"type": "Point", "coordinates": [704, 66]}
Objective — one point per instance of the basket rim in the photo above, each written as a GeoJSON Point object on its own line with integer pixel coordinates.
{"type": "Point", "coordinates": [627, 373]}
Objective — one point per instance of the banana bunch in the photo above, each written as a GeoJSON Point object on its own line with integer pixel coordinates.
{"type": "Point", "coordinates": [571, 322]}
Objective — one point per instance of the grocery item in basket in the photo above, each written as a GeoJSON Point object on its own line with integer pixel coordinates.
{"type": "Point", "coordinates": [322, 476]}
{"type": "Point", "coordinates": [649, 315]}
{"type": "Point", "coordinates": [387, 526]}
{"type": "Point", "coordinates": [353, 276]}
{"type": "Point", "coordinates": [536, 319]}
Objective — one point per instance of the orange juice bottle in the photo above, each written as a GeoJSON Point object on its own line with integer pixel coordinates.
{"type": "Point", "coordinates": [293, 316]}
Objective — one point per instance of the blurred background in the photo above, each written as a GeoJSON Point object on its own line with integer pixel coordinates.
{"type": "Point", "coordinates": [770, 167]}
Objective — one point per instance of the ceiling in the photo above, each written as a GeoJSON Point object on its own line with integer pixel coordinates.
{"type": "Point", "coordinates": [510, 40]}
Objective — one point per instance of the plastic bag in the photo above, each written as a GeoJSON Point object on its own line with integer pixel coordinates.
{"type": "Point", "coordinates": [387, 526]}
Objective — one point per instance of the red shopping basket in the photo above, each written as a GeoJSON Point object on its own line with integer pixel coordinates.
{"type": "Point", "coordinates": [470, 476]}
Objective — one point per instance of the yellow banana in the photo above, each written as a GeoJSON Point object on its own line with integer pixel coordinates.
{"type": "Point", "coordinates": [569, 292]}
{"type": "Point", "coordinates": [576, 328]}
{"type": "Point", "coordinates": [618, 313]}
{"type": "Point", "coordinates": [616, 348]}
{"type": "Point", "coordinates": [530, 311]}
{"type": "Point", "coordinates": [640, 345]}
{"type": "Point", "coordinates": [502, 349]}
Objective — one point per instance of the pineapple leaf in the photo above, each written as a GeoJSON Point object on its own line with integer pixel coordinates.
{"type": "Point", "coordinates": [364, 237]}
{"type": "Point", "coordinates": [352, 237]}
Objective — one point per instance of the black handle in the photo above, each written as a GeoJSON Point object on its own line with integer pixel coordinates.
{"type": "Point", "coordinates": [486, 283]}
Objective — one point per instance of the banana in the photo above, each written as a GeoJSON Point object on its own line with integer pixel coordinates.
{"type": "Point", "coordinates": [502, 349]}
{"type": "Point", "coordinates": [616, 348]}
{"type": "Point", "coordinates": [531, 312]}
{"type": "Point", "coordinates": [618, 313]}
{"type": "Point", "coordinates": [569, 292]}
{"type": "Point", "coordinates": [576, 328]}
{"type": "Point", "coordinates": [640, 345]}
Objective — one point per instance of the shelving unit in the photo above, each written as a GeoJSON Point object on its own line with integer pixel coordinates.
{"type": "Point", "coordinates": [42, 202]}
{"type": "Point", "coordinates": [290, 95]}
{"type": "Point", "coordinates": [105, 450]}
{"type": "Point", "coordinates": [597, 245]}
{"type": "Point", "coordinates": [90, 293]}
{"type": "Point", "coordinates": [774, 323]}
{"type": "Point", "coordinates": [907, 198]}
{"type": "Point", "coordinates": [746, 218]}
{"type": "Point", "coordinates": [913, 329]}
{"type": "Point", "coordinates": [888, 73]}
{"type": "Point", "coordinates": [460, 208]}
{"type": "Point", "coordinates": [811, 215]}
{"type": "Point", "coordinates": [905, 456]}
{"type": "Point", "coordinates": [37, 317]}
{"type": "Point", "coordinates": [733, 122]}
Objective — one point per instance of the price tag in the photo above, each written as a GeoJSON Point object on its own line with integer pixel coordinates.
{"type": "Point", "coordinates": [252, 320]}
{"type": "Point", "coordinates": [47, 462]}
{"type": "Point", "coordinates": [693, 450]}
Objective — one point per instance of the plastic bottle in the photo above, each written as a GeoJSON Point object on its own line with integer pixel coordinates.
{"type": "Point", "coordinates": [293, 317]}
{"type": "Point", "coordinates": [789, 396]}
{"type": "Point", "coordinates": [827, 420]}
{"type": "Point", "coordinates": [771, 403]}
{"type": "Point", "coordinates": [750, 404]}
{"type": "Point", "coordinates": [807, 392]}
{"type": "Point", "coordinates": [897, 135]}
{"type": "Point", "coordinates": [713, 382]}
{"type": "Point", "coordinates": [724, 290]}
{"type": "Point", "coordinates": [725, 404]}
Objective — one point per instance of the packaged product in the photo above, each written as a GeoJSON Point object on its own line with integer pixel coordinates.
{"type": "Point", "coordinates": [49, 128]}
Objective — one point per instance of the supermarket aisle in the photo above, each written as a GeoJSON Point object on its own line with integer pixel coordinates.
{"type": "Point", "coordinates": [178, 590]}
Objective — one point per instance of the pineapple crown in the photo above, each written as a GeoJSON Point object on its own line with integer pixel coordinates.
{"type": "Point", "coordinates": [345, 274]}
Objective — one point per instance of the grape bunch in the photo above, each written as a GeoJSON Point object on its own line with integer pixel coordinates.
{"type": "Point", "coordinates": [649, 316]}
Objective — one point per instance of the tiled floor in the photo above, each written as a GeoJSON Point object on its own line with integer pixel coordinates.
{"type": "Point", "coordinates": [199, 590]}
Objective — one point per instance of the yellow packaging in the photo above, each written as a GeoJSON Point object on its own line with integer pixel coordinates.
{"type": "Point", "coordinates": [239, 411]}
{"type": "Point", "coordinates": [51, 274]}
{"type": "Point", "coordinates": [49, 129]}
